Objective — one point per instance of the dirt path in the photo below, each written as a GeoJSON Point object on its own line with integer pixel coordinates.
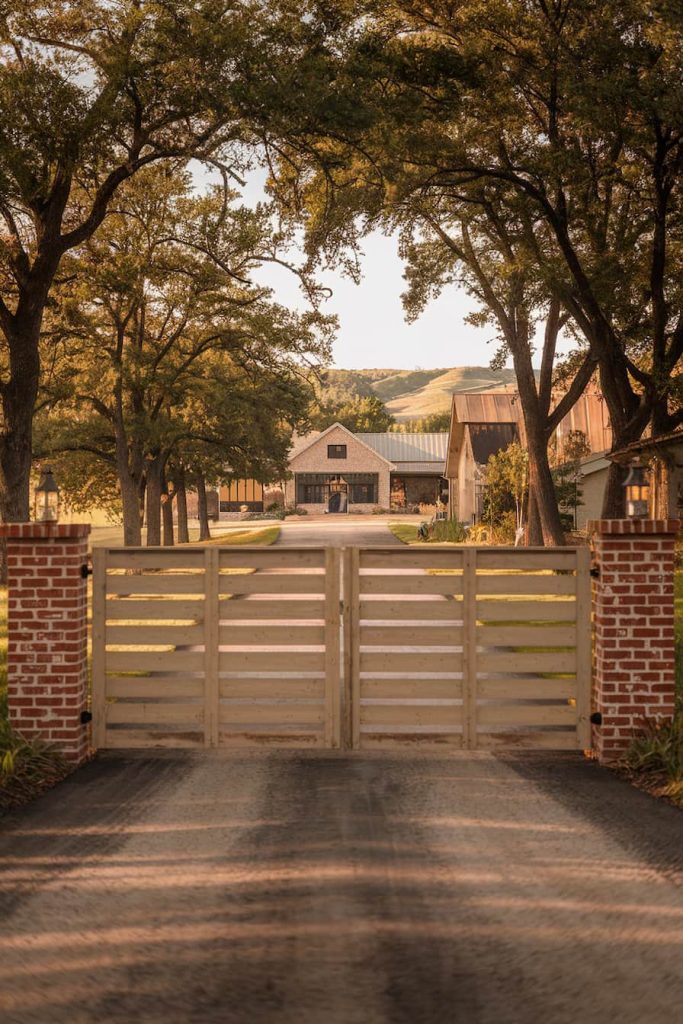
{"type": "Point", "coordinates": [338, 889]}
{"type": "Point", "coordinates": [337, 531]}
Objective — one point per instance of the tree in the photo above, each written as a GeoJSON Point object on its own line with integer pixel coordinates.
{"type": "Point", "coordinates": [163, 335]}
{"type": "Point", "coordinates": [507, 479]}
{"type": "Point", "coordinates": [573, 113]}
{"type": "Point", "coordinates": [362, 414]}
{"type": "Point", "coordinates": [91, 92]}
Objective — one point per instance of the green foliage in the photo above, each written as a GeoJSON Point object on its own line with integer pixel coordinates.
{"type": "Point", "coordinates": [436, 423]}
{"type": "Point", "coordinates": [366, 414]}
{"type": "Point", "coordinates": [507, 482]}
{"type": "Point", "coordinates": [443, 531]}
{"type": "Point", "coordinates": [657, 748]}
{"type": "Point", "coordinates": [27, 766]}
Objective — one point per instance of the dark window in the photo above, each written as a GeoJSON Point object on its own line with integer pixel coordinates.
{"type": "Point", "coordinates": [315, 488]}
{"type": "Point", "coordinates": [336, 451]}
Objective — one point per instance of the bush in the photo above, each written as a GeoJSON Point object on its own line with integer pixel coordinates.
{"type": "Point", "coordinates": [658, 749]}
{"type": "Point", "coordinates": [379, 511]}
{"type": "Point", "coordinates": [26, 766]}
{"type": "Point", "coordinates": [294, 510]}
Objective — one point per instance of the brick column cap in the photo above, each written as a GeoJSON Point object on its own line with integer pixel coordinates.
{"type": "Point", "coordinates": [634, 527]}
{"type": "Point", "coordinates": [44, 531]}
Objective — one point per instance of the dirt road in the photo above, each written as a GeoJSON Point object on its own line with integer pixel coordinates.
{"type": "Point", "coordinates": [302, 888]}
{"type": "Point", "coordinates": [339, 531]}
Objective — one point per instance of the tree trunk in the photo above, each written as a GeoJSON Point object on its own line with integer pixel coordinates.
{"type": "Point", "coordinates": [614, 498]}
{"type": "Point", "coordinates": [167, 513]}
{"type": "Point", "coordinates": [202, 511]}
{"type": "Point", "coordinates": [540, 478]}
{"type": "Point", "coordinates": [534, 535]}
{"type": "Point", "coordinates": [16, 437]}
{"type": "Point", "coordinates": [155, 469]}
{"type": "Point", "coordinates": [181, 505]}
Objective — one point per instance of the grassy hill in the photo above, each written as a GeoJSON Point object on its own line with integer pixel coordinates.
{"type": "Point", "coordinates": [411, 394]}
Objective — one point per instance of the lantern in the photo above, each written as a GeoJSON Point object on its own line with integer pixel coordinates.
{"type": "Point", "coordinates": [637, 487]}
{"type": "Point", "coordinates": [47, 498]}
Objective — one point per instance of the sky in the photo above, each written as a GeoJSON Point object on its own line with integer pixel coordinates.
{"type": "Point", "coordinates": [373, 331]}
{"type": "Point", "coordinates": [372, 327]}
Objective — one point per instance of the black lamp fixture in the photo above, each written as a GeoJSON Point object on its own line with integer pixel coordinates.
{"type": "Point", "coordinates": [47, 497]}
{"type": "Point", "coordinates": [637, 487]}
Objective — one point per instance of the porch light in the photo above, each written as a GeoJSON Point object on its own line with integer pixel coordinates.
{"type": "Point", "coordinates": [47, 498]}
{"type": "Point", "coordinates": [637, 487]}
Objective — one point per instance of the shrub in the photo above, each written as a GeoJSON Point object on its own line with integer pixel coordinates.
{"type": "Point", "coordinates": [27, 766]}
{"type": "Point", "coordinates": [294, 510]}
{"type": "Point", "coordinates": [379, 511]}
{"type": "Point", "coordinates": [658, 748]}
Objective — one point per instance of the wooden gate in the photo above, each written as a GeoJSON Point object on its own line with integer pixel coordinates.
{"type": "Point", "coordinates": [468, 647]}
{"type": "Point", "coordinates": [200, 647]}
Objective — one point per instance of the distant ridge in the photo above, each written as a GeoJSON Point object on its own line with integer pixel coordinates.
{"type": "Point", "coordinates": [412, 394]}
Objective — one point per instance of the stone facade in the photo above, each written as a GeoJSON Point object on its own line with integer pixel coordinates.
{"type": "Point", "coordinates": [47, 657]}
{"type": "Point", "coordinates": [359, 459]}
{"type": "Point", "coordinates": [633, 609]}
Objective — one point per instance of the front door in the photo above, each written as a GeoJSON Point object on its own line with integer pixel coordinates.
{"type": "Point", "coordinates": [338, 501]}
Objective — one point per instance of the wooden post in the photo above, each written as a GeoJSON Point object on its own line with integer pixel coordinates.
{"type": "Point", "coordinates": [332, 648]}
{"type": "Point", "coordinates": [211, 654]}
{"type": "Point", "coordinates": [584, 647]}
{"type": "Point", "coordinates": [351, 649]}
{"type": "Point", "coordinates": [469, 660]}
{"type": "Point", "coordinates": [99, 639]}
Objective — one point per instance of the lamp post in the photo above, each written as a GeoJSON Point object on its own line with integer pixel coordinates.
{"type": "Point", "coordinates": [637, 488]}
{"type": "Point", "coordinates": [47, 498]}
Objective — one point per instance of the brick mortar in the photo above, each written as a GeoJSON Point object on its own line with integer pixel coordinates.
{"type": "Point", "coordinates": [47, 632]}
{"type": "Point", "coordinates": [633, 612]}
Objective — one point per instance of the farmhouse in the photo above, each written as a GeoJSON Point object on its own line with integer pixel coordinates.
{"type": "Point", "coordinates": [484, 424]}
{"type": "Point", "coordinates": [337, 471]}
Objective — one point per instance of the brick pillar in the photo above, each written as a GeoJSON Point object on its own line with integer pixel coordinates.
{"type": "Point", "coordinates": [47, 658]}
{"type": "Point", "coordinates": [633, 605]}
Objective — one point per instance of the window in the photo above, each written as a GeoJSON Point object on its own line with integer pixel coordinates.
{"type": "Point", "coordinates": [336, 451]}
{"type": "Point", "coordinates": [315, 488]}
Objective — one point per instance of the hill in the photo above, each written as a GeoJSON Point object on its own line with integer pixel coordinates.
{"type": "Point", "coordinates": [412, 394]}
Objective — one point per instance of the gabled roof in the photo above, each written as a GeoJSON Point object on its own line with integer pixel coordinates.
{"type": "Point", "coordinates": [303, 443]}
{"type": "Point", "coordinates": [396, 447]}
{"type": "Point", "coordinates": [648, 444]}
{"type": "Point", "coordinates": [488, 439]}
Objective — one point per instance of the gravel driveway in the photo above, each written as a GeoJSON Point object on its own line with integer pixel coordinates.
{"type": "Point", "coordinates": [318, 888]}
{"type": "Point", "coordinates": [339, 531]}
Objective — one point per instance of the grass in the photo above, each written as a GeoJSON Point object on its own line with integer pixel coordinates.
{"type": "Point", "coordinates": [265, 536]}
{"type": "Point", "coordinates": [406, 532]}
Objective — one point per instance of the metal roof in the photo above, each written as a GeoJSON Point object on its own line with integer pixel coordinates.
{"type": "Point", "coordinates": [408, 448]}
{"type": "Point", "coordinates": [419, 468]}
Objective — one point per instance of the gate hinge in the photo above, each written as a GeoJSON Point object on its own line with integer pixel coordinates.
{"type": "Point", "coordinates": [86, 716]}
{"type": "Point", "coordinates": [341, 607]}
{"type": "Point", "coordinates": [86, 570]}
{"type": "Point", "coordinates": [595, 572]}
{"type": "Point", "coordinates": [596, 718]}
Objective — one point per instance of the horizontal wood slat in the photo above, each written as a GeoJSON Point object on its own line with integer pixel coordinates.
{"type": "Point", "coordinates": [427, 558]}
{"type": "Point", "coordinates": [271, 714]}
{"type": "Point", "coordinates": [132, 739]}
{"type": "Point", "coordinates": [163, 584]}
{"type": "Point", "coordinates": [144, 609]}
{"type": "Point", "coordinates": [410, 714]}
{"type": "Point", "coordinates": [268, 737]}
{"type": "Point", "coordinates": [402, 636]}
{"type": "Point", "coordinates": [420, 662]}
{"type": "Point", "coordinates": [526, 662]}
{"type": "Point", "coordinates": [407, 689]}
{"type": "Point", "coordinates": [526, 689]}
{"type": "Point", "coordinates": [527, 636]}
{"type": "Point", "coordinates": [135, 686]}
{"type": "Point", "coordinates": [130, 713]}
{"type": "Point", "coordinates": [558, 740]}
{"type": "Point", "coordinates": [410, 585]}
{"type": "Point", "coordinates": [253, 608]}
{"type": "Point", "coordinates": [153, 661]}
{"type": "Point", "coordinates": [273, 583]}
{"type": "Point", "coordinates": [524, 560]}
{"type": "Point", "coordinates": [271, 661]}
{"type": "Point", "coordinates": [305, 636]}
{"type": "Point", "coordinates": [143, 635]}
{"type": "Point", "coordinates": [438, 610]}
{"type": "Point", "coordinates": [257, 558]}
{"type": "Point", "coordinates": [143, 558]}
{"type": "Point", "coordinates": [272, 689]}
{"type": "Point", "coordinates": [494, 610]}
{"type": "Point", "coordinates": [520, 583]}
{"type": "Point", "coordinates": [528, 715]}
